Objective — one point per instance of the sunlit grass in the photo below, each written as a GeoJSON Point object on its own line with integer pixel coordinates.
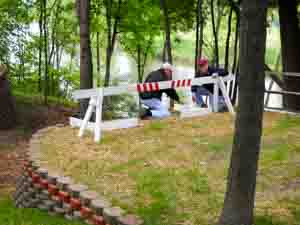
{"type": "Point", "coordinates": [174, 171]}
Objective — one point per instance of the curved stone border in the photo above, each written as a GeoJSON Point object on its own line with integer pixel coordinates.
{"type": "Point", "coordinates": [37, 187]}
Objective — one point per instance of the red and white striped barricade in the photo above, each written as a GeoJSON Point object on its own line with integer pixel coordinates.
{"type": "Point", "coordinates": [96, 100]}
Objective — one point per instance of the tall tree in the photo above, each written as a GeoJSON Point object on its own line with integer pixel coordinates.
{"type": "Point", "coordinates": [167, 26]}
{"type": "Point", "coordinates": [227, 45]}
{"type": "Point", "coordinates": [86, 66]}
{"type": "Point", "coordinates": [216, 46]}
{"type": "Point", "coordinates": [45, 37]}
{"type": "Point", "coordinates": [290, 49]}
{"type": "Point", "coordinates": [112, 31]}
{"type": "Point", "coordinates": [236, 9]}
{"type": "Point", "coordinates": [40, 43]}
{"type": "Point", "coordinates": [168, 46]}
{"type": "Point", "coordinates": [199, 32]}
{"type": "Point", "coordinates": [241, 184]}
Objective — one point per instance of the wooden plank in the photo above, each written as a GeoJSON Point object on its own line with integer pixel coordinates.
{"type": "Point", "coordinates": [282, 110]}
{"type": "Point", "coordinates": [216, 98]}
{"type": "Point", "coordinates": [85, 93]}
{"type": "Point", "coordinates": [268, 94]}
{"type": "Point", "coordinates": [187, 112]}
{"type": "Point", "coordinates": [277, 80]}
{"type": "Point", "coordinates": [225, 95]}
{"type": "Point", "coordinates": [291, 74]}
{"type": "Point", "coordinates": [106, 125]}
{"type": "Point", "coordinates": [282, 92]}
{"type": "Point", "coordinates": [98, 117]}
{"type": "Point", "coordinates": [116, 90]}
{"type": "Point", "coordinates": [87, 116]}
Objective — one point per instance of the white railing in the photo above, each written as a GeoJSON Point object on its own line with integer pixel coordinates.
{"type": "Point", "coordinates": [279, 90]}
{"type": "Point", "coordinates": [96, 100]}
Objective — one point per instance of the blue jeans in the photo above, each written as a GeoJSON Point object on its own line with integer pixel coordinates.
{"type": "Point", "coordinates": [202, 91]}
{"type": "Point", "coordinates": [156, 107]}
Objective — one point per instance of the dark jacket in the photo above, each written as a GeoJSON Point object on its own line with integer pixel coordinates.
{"type": "Point", "coordinates": [210, 72]}
{"type": "Point", "coordinates": [157, 76]}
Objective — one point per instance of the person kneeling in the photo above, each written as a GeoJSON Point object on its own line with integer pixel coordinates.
{"type": "Point", "coordinates": [204, 70]}
{"type": "Point", "coordinates": [152, 100]}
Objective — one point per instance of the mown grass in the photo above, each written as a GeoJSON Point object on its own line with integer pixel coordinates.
{"type": "Point", "coordinates": [9, 215]}
{"type": "Point", "coordinates": [174, 171]}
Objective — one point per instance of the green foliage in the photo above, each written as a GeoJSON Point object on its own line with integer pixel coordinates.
{"type": "Point", "coordinates": [9, 215]}
{"type": "Point", "coordinates": [120, 106]}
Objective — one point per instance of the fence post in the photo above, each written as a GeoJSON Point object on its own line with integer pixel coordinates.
{"type": "Point", "coordinates": [87, 116]}
{"type": "Point", "coordinates": [268, 94]}
{"type": "Point", "coordinates": [225, 95]}
{"type": "Point", "coordinates": [99, 103]}
{"type": "Point", "coordinates": [216, 94]}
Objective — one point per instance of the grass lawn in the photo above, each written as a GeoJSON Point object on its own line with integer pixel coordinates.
{"type": "Point", "coordinates": [174, 171]}
{"type": "Point", "coordinates": [9, 215]}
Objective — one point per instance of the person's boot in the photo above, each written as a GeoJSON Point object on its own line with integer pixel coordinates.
{"type": "Point", "coordinates": [223, 108]}
{"type": "Point", "coordinates": [145, 114]}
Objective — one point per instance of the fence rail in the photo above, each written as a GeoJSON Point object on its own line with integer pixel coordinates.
{"type": "Point", "coordinates": [96, 99]}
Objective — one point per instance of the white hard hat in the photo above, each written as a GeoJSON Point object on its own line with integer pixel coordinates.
{"type": "Point", "coordinates": [168, 66]}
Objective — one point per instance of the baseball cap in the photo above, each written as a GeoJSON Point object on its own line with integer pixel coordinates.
{"type": "Point", "coordinates": [202, 61]}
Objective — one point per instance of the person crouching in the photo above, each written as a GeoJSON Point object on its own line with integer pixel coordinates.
{"type": "Point", "coordinates": [152, 99]}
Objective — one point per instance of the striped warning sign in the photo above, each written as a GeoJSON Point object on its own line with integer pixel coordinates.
{"type": "Point", "coordinates": [148, 87]}
{"type": "Point", "coordinates": [181, 83]}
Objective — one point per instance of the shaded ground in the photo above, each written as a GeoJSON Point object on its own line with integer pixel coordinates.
{"type": "Point", "coordinates": [13, 143]}
{"type": "Point", "coordinates": [174, 171]}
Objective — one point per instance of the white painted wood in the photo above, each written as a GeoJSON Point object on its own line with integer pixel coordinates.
{"type": "Point", "coordinates": [292, 74]}
{"type": "Point", "coordinates": [193, 112]}
{"type": "Point", "coordinates": [229, 77]}
{"type": "Point", "coordinates": [216, 96]}
{"type": "Point", "coordinates": [96, 100]}
{"type": "Point", "coordinates": [189, 100]}
{"type": "Point", "coordinates": [283, 92]}
{"type": "Point", "coordinates": [106, 125]}
{"type": "Point", "coordinates": [233, 85]}
{"type": "Point", "coordinates": [225, 95]}
{"type": "Point", "coordinates": [98, 116]}
{"type": "Point", "coordinates": [87, 116]}
{"type": "Point", "coordinates": [120, 124]}
{"type": "Point", "coordinates": [116, 90]}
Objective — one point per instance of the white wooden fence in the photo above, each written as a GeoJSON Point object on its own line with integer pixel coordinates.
{"type": "Point", "coordinates": [279, 89]}
{"type": "Point", "coordinates": [96, 101]}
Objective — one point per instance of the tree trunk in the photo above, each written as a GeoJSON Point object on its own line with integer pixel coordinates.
{"type": "Point", "coordinates": [86, 67]}
{"type": "Point", "coordinates": [112, 32]}
{"type": "Point", "coordinates": [228, 39]}
{"type": "Point", "coordinates": [139, 62]}
{"type": "Point", "coordinates": [7, 105]}
{"type": "Point", "coordinates": [216, 61]}
{"type": "Point", "coordinates": [40, 48]}
{"type": "Point", "coordinates": [167, 31]}
{"type": "Point", "coordinates": [98, 56]}
{"type": "Point", "coordinates": [46, 81]}
{"type": "Point", "coordinates": [290, 35]}
{"type": "Point", "coordinates": [164, 8]}
{"type": "Point", "coordinates": [236, 41]}
{"type": "Point", "coordinates": [241, 183]}
{"type": "Point", "coordinates": [108, 5]}
{"type": "Point", "coordinates": [199, 33]}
